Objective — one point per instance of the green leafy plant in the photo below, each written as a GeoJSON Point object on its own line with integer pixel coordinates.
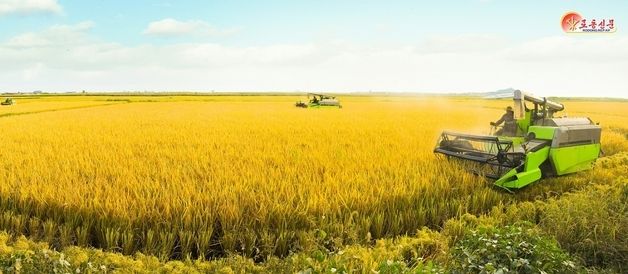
{"type": "Point", "coordinates": [509, 249]}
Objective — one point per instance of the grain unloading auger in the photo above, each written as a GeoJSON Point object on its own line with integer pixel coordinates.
{"type": "Point", "coordinates": [533, 145]}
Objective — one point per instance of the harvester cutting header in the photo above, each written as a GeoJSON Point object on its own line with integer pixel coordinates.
{"type": "Point", "coordinates": [530, 145]}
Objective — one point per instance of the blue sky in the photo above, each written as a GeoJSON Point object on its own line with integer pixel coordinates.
{"type": "Point", "coordinates": [266, 22]}
{"type": "Point", "coordinates": [255, 45]}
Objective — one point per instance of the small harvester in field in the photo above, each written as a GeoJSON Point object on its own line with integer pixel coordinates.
{"type": "Point", "coordinates": [8, 102]}
{"type": "Point", "coordinates": [532, 145]}
{"type": "Point", "coordinates": [319, 100]}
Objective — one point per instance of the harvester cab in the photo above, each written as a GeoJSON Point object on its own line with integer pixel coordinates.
{"type": "Point", "coordinates": [7, 102]}
{"type": "Point", "coordinates": [319, 100]}
{"type": "Point", "coordinates": [539, 145]}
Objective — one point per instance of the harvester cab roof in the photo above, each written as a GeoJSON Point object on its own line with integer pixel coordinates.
{"type": "Point", "coordinates": [540, 145]}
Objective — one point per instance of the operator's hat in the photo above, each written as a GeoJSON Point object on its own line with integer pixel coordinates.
{"type": "Point", "coordinates": [508, 108]}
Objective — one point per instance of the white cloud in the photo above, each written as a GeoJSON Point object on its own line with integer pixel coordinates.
{"type": "Point", "coordinates": [463, 43]}
{"type": "Point", "coordinates": [29, 6]}
{"type": "Point", "coordinates": [70, 58]}
{"type": "Point", "coordinates": [173, 27]}
{"type": "Point", "coordinates": [577, 48]}
{"type": "Point", "coordinates": [54, 36]}
{"type": "Point", "coordinates": [33, 72]}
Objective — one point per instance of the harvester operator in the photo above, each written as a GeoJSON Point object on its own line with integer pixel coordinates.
{"type": "Point", "coordinates": [510, 127]}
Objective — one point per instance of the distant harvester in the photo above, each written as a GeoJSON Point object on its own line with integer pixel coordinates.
{"type": "Point", "coordinates": [319, 100]}
{"type": "Point", "coordinates": [8, 102]}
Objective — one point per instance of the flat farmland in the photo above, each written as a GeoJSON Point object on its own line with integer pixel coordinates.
{"type": "Point", "coordinates": [204, 176]}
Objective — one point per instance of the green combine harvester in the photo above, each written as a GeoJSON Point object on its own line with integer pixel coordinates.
{"type": "Point", "coordinates": [319, 100]}
{"type": "Point", "coordinates": [535, 144]}
{"type": "Point", "coordinates": [7, 102]}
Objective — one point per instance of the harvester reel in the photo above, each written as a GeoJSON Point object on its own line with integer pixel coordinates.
{"type": "Point", "coordinates": [486, 155]}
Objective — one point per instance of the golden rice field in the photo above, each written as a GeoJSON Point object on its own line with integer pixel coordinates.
{"type": "Point", "coordinates": [203, 176]}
